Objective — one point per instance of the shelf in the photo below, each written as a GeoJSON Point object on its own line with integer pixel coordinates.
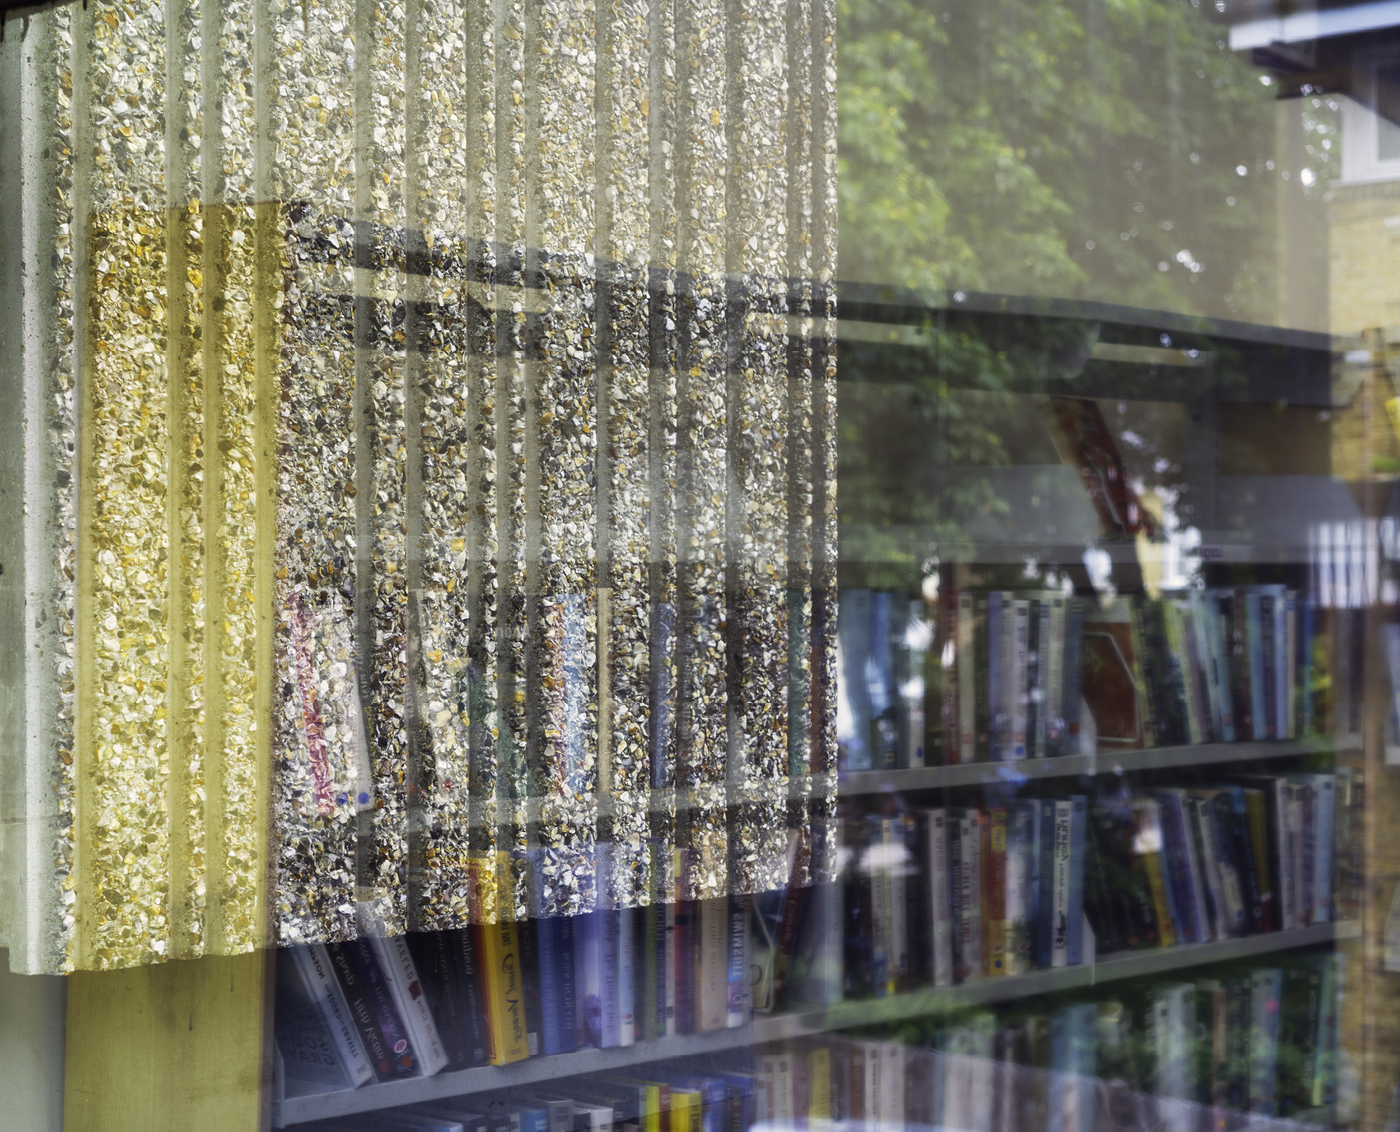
{"type": "Point", "coordinates": [485, 1078]}
{"type": "Point", "coordinates": [1104, 762]}
{"type": "Point", "coordinates": [1126, 965]}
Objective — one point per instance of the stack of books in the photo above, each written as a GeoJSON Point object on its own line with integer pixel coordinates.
{"type": "Point", "coordinates": [999, 675]}
{"type": "Point", "coordinates": [942, 896]}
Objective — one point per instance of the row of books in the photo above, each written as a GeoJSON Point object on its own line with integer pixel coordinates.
{"type": "Point", "coordinates": [665, 1100]}
{"type": "Point", "coordinates": [380, 1008]}
{"type": "Point", "coordinates": [948, 894]}
{"type": "Point", "coordinates": [1002, 675]}
{"type": "Point", "coordinates": [1262, 1041]}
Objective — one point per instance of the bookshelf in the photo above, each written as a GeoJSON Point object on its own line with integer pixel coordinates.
{"type": "Point", "coordinates": [1120, 965]}
{"type": "Point", "coordinates": [290, 1110]}
{"type": "Point", "coordinates": [295, 1109]}
{"type": "Point", "coordinates": [1104, 762]}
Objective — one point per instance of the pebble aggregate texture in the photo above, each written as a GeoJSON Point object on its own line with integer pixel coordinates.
{"type": "Point", "coordinates": [430, 465]}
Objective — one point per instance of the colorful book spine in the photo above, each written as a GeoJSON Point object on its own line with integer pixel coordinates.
{"type": "Point", "coordinates": [558, 990]}
{"type": "Point", "coordinates": [382, 1002]}
{"type": "Point", "coordinates": [505, 1003]}
{"type": "Point", "coordinates": [384, 1059]}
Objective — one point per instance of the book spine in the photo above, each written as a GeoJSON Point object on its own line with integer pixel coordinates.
{"type": "Point", "coordinates": [1254, 633]}
{"type": "Point", "coordinates": [1202, 827]}
{"type": "Point", "coordinates": [853, 643]}
{"type": "Point", "coordinates": [896, 929]}
{"type": "Point", "coordinates": [1198, 618]}
{"type": "Point", "coordinates": [1045, 883]}
{"type": "Point", "coordinates": [967, 682]}
{"type": "Point", "coordinates": [917, 966]}
{"type": "Point", "coordinates": [588, 939]}
{"type": "Point", "coordinates": [998, 721]}
{"type": "Point", "coordinates": [1307, 722]}
{"type": "Point", "coordinates": [974, 941]}
{"type": "Point", "coordinates": [610, 967]}
{"type": "Point", "coordinates": [880, 672]}
{"type": "Point", "coordinates": [1116, 837]}
{"type": "Point", "coordinates": [955, 895]}
{"type": "Point", "coordinates": [1078, 820]}
{"type": "Point", "coordinates": [996, 892]}
{"type": "Point", "coordinates": [626, 975]}
{"type": "Point", "coordinates": [983, 667]}
{"type": "Point", "coordinates": [1173, 871]}
{"type": "Point", "coordinates": [1180, 632]}
{"type": "Point", "coordinates": [1101, 902]}
{"type": "Point", "coordinates": [505, 994]}
{"type": "Point", "coordinates": [712, 983]}
{"type": "Point", "coordinates": [1235, 614]}
{"type": "Point", "coordinates": [941, 666]}
{"type": "Point", "coordinates": [737, 1000]}
{"type": "Point", "coordinates": [1073, 681]}
{"type": "Point", "coordinates": [432, 953]}
{"type": "Point", "coordinates": [380, 1053]}
{"type": "Point", "coordinates": [1271, 663]}
{"type": "Point", "coordinates": [527, 940]}
{"type": "Point", "coordinates": [1038, 733]}
{"type": "Point", "coordinates": [1326, 787]}
{"type": "Point", "coordinates": [910, 686]}
{"type": "Point", "coordinates": [381, 1001]}
{"type": "Point", "coordinates": [1059, 930]}
{"type": "Point", "coordinates": [551, 1015]}
{"type": "Point", "coordinates": [1233, 811]}
{"type": "Point", "coordinates": [879, 908]}
{"type": "Point", "coordinates": [566, 964]}
{"type": "Point", "coordinates": [1278, 626]}
{"type": "Point", "coordinates": [1283, 836]}
{"type": "Point", "coordinates": [318, 980]}
{"type": "Point", "coordinates": [1019, 679]}
{"type": "Point", "coordinates": [1149, 836]}
{"type": "Point", "coordinates": [1293, 711]}
{"type": "Point", "coordinates": [1217, 822]}
{"type": "Point", "coordinates": [1300, 834]}
{"type": "Point", "coordinates": [1146, 678]}
{"type": "Point", "coordinates": [1177, 673]}
{"type": "Point", "coordinates": [1307, 877]}
{"type": "Point", "coordinates": [1266, 987]}
{"type": "Point", "coordinates": [1052, 659]}
{"type": "Point", "coordinates": [672, 985]}
{"type": "Point", "coordinates": [1217, 642]}
{"type": "Point", "coordinates": [1174, 851]}
{"type": "Point", "coordinates": [1019, 832]}
{"type": "Point", "coordinates": [935, 826]}
{"type": "Point", "coordinates": [1195, 873]}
